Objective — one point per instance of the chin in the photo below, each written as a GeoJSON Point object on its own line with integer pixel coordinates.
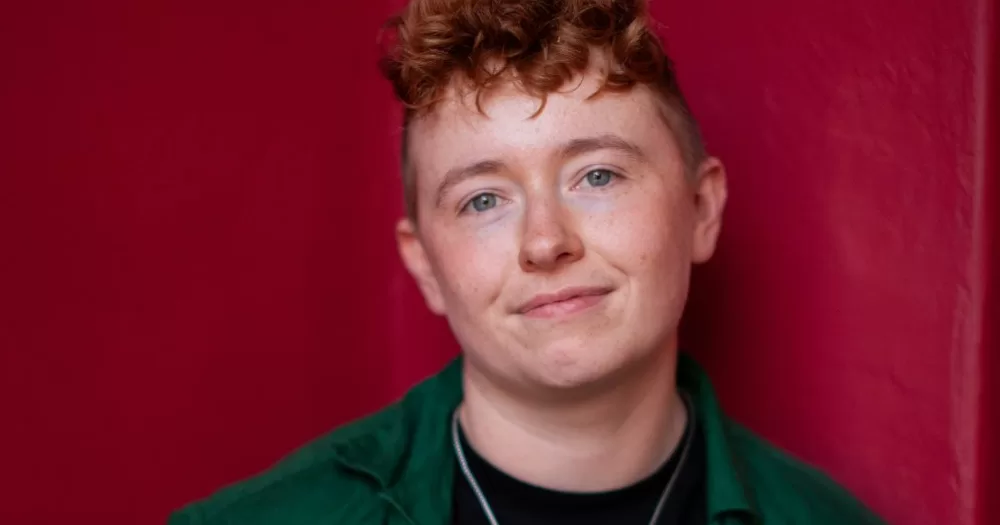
{"type": "Point", "coordinates": [568, 367]}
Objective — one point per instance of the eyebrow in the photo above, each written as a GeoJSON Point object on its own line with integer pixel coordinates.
{"type": "Point", "coordinates": [611, 141]}
{"type": "Point", "coordinates": [573, 148]}
{"type": "Point", "coordinates": [455, 176]}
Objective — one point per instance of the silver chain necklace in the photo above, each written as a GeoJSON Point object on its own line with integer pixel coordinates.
{"type": "Point", "coordinates": [467, 472]}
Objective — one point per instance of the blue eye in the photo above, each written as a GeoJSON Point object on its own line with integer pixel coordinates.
{"type": "Point", "coordinates": [600, 177]}
{"type": "Point", "coordinates": [483, 202]}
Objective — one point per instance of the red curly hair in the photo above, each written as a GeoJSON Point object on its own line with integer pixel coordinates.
{"type": "Point", "coordinates": [540, 45]}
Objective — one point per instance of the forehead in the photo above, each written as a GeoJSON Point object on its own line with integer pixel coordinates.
{"type": "Point", "coordinates": [508, 122]}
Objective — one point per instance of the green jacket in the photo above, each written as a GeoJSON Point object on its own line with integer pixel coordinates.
{"type": "Point", "coordinates": [396, 467]}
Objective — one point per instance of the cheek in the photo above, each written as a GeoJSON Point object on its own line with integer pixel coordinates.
{"type": "Point", "coordinates": [641, 236]}
{"type": "Point", "coordinates": [472, 263]}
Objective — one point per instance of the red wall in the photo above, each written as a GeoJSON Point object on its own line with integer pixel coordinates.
{"type": "Point", "coordinates": [848, 297]}
{"type": "Point", "coordinates": [197, 206]}
{"type": "Point", "coordinates": [197, 271]}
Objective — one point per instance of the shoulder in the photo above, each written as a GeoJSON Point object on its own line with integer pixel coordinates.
{"type": "Point", "coordinates": [307, 486]}
{"type": "Point", "coordinates": [789, 491]}
{"type": "Point", "coordinates": [340, 477]}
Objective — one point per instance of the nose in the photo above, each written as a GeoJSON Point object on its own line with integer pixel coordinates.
{"type": "Point", "coordinates": [549, 238]}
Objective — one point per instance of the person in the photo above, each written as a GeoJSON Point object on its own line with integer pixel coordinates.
{"type": "Point", "coordinates": [557, 195]}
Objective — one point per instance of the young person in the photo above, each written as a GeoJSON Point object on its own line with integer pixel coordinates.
{"type": "Point", "coordinates": [557, 196]}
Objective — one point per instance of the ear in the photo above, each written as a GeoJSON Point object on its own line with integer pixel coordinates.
{"type": "Point", "coordinates": [710, 201]}
{"type": "Point", "coordinates": [414, 256]}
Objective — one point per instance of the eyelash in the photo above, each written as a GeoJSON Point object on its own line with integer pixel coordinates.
{"type": "Point", "coordinates": [466, 206]}
{"type": "Point", "coordinates": [616, 175]}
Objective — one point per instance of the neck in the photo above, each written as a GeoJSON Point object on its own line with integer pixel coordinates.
{"type": "Point", "coordinates": [602, 441]}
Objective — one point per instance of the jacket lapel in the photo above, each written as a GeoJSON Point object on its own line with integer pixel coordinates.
{"type": "Point", "coordinates": [409, 458]}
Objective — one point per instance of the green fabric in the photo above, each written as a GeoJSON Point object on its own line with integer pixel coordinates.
{"type": "Point", "coordinates": [395, 467]}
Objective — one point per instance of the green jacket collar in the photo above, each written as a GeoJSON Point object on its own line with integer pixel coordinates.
{"type": "Point", "coordinates": [410, 458]}
{"type": "Point", "coordinates": [728, 492]}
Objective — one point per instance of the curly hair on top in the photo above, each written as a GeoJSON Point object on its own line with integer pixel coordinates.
{"type": "Point", "coordinates": [538, 44]}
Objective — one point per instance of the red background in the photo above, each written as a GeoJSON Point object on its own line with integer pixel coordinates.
{"type": "Point", "coordinates": [197, 271]}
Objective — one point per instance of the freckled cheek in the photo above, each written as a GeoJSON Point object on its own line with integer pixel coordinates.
{"type": "Point", "coordinates": [475, 264]}
{"type": "Point", "coordinates": [632, 238]}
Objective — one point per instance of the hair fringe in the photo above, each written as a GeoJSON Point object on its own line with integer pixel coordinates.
{"type": "Point", "coordinates": [539, 45]}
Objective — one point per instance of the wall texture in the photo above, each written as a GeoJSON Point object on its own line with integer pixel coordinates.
{"type": "Point", "coordinates": [845, 314]}
{"type": "Point", "coordinates": [197, 204]}
{"type": "Point", "coordinates": [197, 272]}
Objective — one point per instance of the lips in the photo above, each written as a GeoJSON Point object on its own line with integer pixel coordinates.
{"type": "Point", "coordinates": [565, 301]}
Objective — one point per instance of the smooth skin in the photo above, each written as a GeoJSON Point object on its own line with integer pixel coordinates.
{"type": "Point", "coordinates": [559, 246]}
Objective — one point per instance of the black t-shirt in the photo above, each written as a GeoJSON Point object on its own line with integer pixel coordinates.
{"type": "Point", "coordinates": [517, 503]}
